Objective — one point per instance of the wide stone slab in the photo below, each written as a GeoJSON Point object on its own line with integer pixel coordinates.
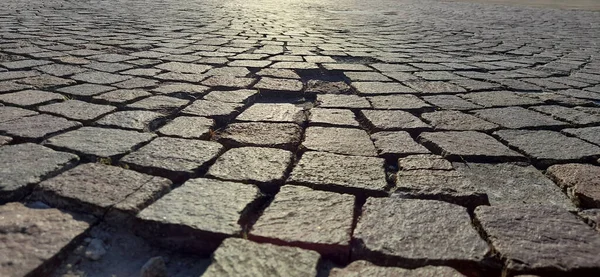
{"type": "Point", "coordinates": [589, 134]}
{"type": "Point", "coordinates": [23, 165]}
{"type": "Point", "coordinates": [311, 219]}
{"type": "Point", "coordinates": [468, 146]}
{"type": "Point", "coordinates": [181, 221]}
{"type": "Point", "coordinates": [278, 135]}
{"type": "Point", "coordinates": [12, 113]}
{"type": "Point", "coordinates": [581, 181]}
{"type": "Point", "coordinates": [239, 257]}
{"type": "Point", "coordinates": [273, 113]}
{"type": "Point", "coordinates": [159, 103]}
{"type": "Point", "coordinates": [173, 157]}
{"type": "Point", "coordinates": [426, 232]}
{"type": "Point", "coordinates": [99, 142]}
{"type": "Point", "coordinates": [342, 101]}
{"type": "Point", "coordinates": [213, 109]}
{"type": "Point", "coordinates": [517, 117]}
{"type": "Point", "coordinates": [231, 96]}
{"type": "Point", "coordinates": [364, 268]}
{"type": "Point", "coordinates": [346, 141]}
{"type": "Point", "coordinates": [188, 127]}
{"type": "Point", "coordinates": [37, 127]}
{"type": "Point", "coordinates": [332, 117]}
{"type": "Point", "coordinates": [133, 120]}
{"type": "Point", "coordinates": [30, 97]}
{"type": "Point", "coordinates": [398, 102]}
{"type": "Point", "coordinates": [457, 121]}
{"type": "Point", "coordinates": [32, 241]}
{"type": "Point", "coordinates": [501, 98]}
{"type": "Point", "coordinates": [77, 110]}
{"type": "Point", "coordinates": [341, 173]}
{"type": "Point", "coordinates": [95, 188]}
{"type": "Point", "coordinates": [540, 239]}
{"type": "Point", "coordinates": [393, 120]}
{"type": "Point", "coordinates": [375, 88]}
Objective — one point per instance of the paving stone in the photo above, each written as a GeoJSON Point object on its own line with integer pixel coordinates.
{"type": "Point", "coordinates": [568, 114]}
{"type": "Point", "coordinates": [500, 98]}
{"type": "Point", "coordinates": [267, 112]}
{"type": "Point", "coordinates": [96, 188]}
{"type": "Point", "coordinates": [250, 63]}
{"type": "Point", "coordinates": [295, 65]}
{"type": "Point", "coordinates": [346, 141]}
{"type": "Point", "coordinates": [589, 134]}
{"type": "Point", "coordinates": [21, 64]}
{"type": "Point", "coordinates": [424, 161]}
{"type": "Point", "coordinates": [179, 220]}
{"type": "Point", "coordinates": [457, 121]}
{"type": "Point", "coordinates": [374, 88]}
{"type": "Point", "coordinates": [548, 147]}
{"type": "Point", "coordinates": [45, 81]}
{"type": "Point", "coordinates": [85, 89]}
{"type": "Point", "coordinates": [332, 117]}
{"type": "Point", "coordinates": [320, 86]}
{"type": "Point", "coordinates": [229, 72]}
{"type": "Point", "coordinates": [98, 77]}
{"type": "Point", "coordinates": [159, 102]}
{"type": "Point", "coordinates": [396, 143]}
{"type": "Point", "coordinates": [8, 75]}
{"type": "Point", "coordinates": [184, 67]}
{"type": "Point", "coordinates": [12, 113]}
{"type": "Point", "coordinates": [468, 146]}
{"type": "Point", "coordinates": [584, 94]}
{"type": "Point", "coordinates": [278, 135]}
{"type": "Point", "coordinates": [342, 101]}
{"type": "Point", "coordinates": [393, 120]}
{"type": "Point", "coordinates": [136, 82]}
{"type": "Point", "coordinates": [122, 95]}
{"type": "Point", "coordinates": [173, 157]}
{"type": "Point", "coordinates": [393, 67]}
{"type": "Point", "coordinates": [340, 173]}
{"type": "Point", "coordinates": [540, 239]}
{"type": "Point", "coordinates": [581, 181]}
{"type": "Point", "coordinates": [181, 77]}
{"type": "Point", "coordinates": [267, 83]}
{"type": "Point", "coordinates": [214, 109]}
{"type": "Point", "coordinates": [517, 117]}
{"type": "Point", "coordinates": [435, 87]}
{"type": "Point", "coordinates": [426, 232]}
{"type": "Point", "coordinates": [10, 86]}
{"type": "Point", "coordinates": [134, 120]}
{"type": "Point", "coordinates": [398, 102]}
{"type": "Point", "coordinates": [364, 268]}
{"type": "Point", "coordinates": [239, 257]}
{"type": "Point", "coordinates": [37, 127]}
{"type": "Point", "coordinates": [34, 240]}
{"type": "Point", "coordinates": [591, 217]}
{"type": "Point", "coordinates": [438, 75]}
{"type": "Point", "coordinates": [30, 97]}
{"type": "Point", "coordinates": [99, 142]}
{"type": "Point", "coordinates": [278, 73]}
{"type": "Point", "coordinates": [311, 219]}
{"type": "Point", "coordinates": [266, 166]}
{"type": "Point", "coordinates": [77, 110]}
{"type": "Point", "coordinates": [23, 165]}
{"type": "Point", "coordinates": [356, 76]}
{"type": "Point", "coordinates": [188, 127]}
{"type": "Point", "coordinates": [232, 96]}
{"type": "Point", "coordinates": [170, 88]}
{"type": "Point", "coordinates": [226, 81]}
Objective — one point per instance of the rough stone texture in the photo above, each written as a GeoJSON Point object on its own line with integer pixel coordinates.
{"type": "Point", "coordinates": [332, 117]}
{"type": "Point", "coordinates": [374, 88]}
{"type": "Point", "coordinates": [319, 86]}
{"type": "Point", "coordinates": [457, 121]}
{"type": "Point", "coordinates": [311, 219]}
{"type": "Point", "coordinates": [32, 241]}
{"type": "Point", "coordinates": [424, 161]}
{"type": "Point", "coordinates": [255, 164]}
{"type": "Point", "coordinates": [272, 113]}
{"type": "Point", "coordinates": [30, 97]}
{"type": "Point", "coordinates": [398, 102]}
{"type": "Point", "coordinates": [346, 141]}
{"type": "Point", "coordinates": [37, 127]}
{"type": "Point", "coordinates": [239, 257]}
{"type": "Point", "coordinates": [540, 239]}
{"type": "Point", "coordinates": [95, 188]}
{"type": "Point", "coordinates": [581, 181]}
{"type": "Point", "coordinates": [99, 142]}
{"type": "Point", "coordinates": [77, 110]}
{"type": "Point", "coordinates": [122, 95]}
{"type": "Point", "coordinates": [159, 102]}
{"type": "Point", "coordinates": [342, 101]}
{"type": "Point", "coordinates": [435, 87]}
{"type": "Point", "coordinates": [348, 174]}
{"type": "Point", "coordinates": [85, 89]}
{"type": "Point", "coordinates": [568, 114]}
{"type": "Point", "coordinates": [213, 109]}
{"type": "Point", "coordinates": [23, 165]}
{"type": "Point", "coordinates": [500, 98]}
{"type": "Point", "coordinates": [232, 96]}
{"type": "Point", "coordinates": [134, 120]}
{"type": "Point", "coordinates": [426, 232]}
{"type": "Point", "coordinates": [188, 127]}
{"type": "Point", "coordinates": [267, 83]}
{"type": "Point", "coordinates": [98, 77]}
{"type": "Point", "coordinates": [12, 113]}
{"type": "Point", "coordinates": [179, 220]}
{"type": "Point", "coordinates": [468, 146]}
{"type": "Point", "coordinates": [384, 120]}
{"type": "Point", "coordinates": [364, 268]}
{"type": "Point", "coordinates": [589, 134]}
{"type": "Point", "coordinates": [173, 157]}
{"type": "Point", "coordinates": [517, 117]}
{"type": "Point", "coordinates": [278, 135]}
{"type": "Point", "coordinates": [548, 147]}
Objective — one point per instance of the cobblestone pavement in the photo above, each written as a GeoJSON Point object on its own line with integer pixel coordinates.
{"type": "Point", "coordinates": [298, 138]}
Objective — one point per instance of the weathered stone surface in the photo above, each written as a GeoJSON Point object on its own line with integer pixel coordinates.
{"type": "Point", "coordinates": [77, 110]}
{"type": "Point", "coordinates": [99, 142]}
{"type": "Point", "coordinates": [37, 127]}
{"type": "Point", "coordinates": [424, 161]}
{"type": "Point", "coordinates": [85, 89]}
{"type": "Point", "coordinates": [332, 117]}
{"type": "Point", "coordinates": [339, 140]}
{"type": "Point", "coordinates": [396, 143]}
{"type": "Point", "coordinates": [173, 157]}
{"type": "Point", "coordinates": [581, 181]}
{"type": "Point", "coordinates": [213, 109]}
{"type": "Point", "coordinates": [540, 239]}
{"type": "Point", "coordinates": [30, 97]}
{"type": "Point", "coordinates": [374, 88]}
{"type": "Point", "coordinates": [457, 121]}
{"type": "Point", "coordinates": [32, 240]}
{"type": "Point", "coordinates": [590, 134]}
{"type": "Point", "coordinates": [364, 268]}
{"type": "Point", "coordinates": [170, 88]}
{"type": "Point", "coordinates": [342, 101]}
{"type": "Point", "coordinates": [255, 164]}
{"type": "Point", "coordinates": [278, 135]}
{"type": "Point", "coordinates": [11, 113]}
{"type": "Point", "coordinates": [179, 220]}
{"type": "Point", "coordinates": [398, 102]}
{"type": "Point", "coordinates": [311, 219]}
{"type": "Point", "coordinates": [568, 114]}
{"type": "Point", "coordinates": [517, 117]}
{"type": "Point", "coordinates": [239, 257]}
{"type": "Point", "coordinates": [95, 188]}
{"type": "Point", "coordinates": [500, 98]}
{"type": "Point", "coordinates": [435, 87]}
{"type": "Point", "coordinates": [591, 217]}
{"type": "Point", "coordinates": [426, 232]}
{"type": "Point", "coordinates": [340, 173]}
{"type": "Point", "coordinates": [273, 113]}
{"type": "Point", "coordinates": [393, 120]}
{"type": "Point", "coordinates": [267, 83]}
{"type": "Point", "coordinates": [320, 86]}
{"type": "Point", "coordinates": [468, 146]}
{"type": "Point", "coordinates": [98, 77]}
{"type": "Point", "coordinates": [23, 165]}
{"type": "Point", "coordinates": [134, 120]}
{"type": "Point", "coordinates": [548, 147]}
{"type": "Point", "coordinates": [159, 102]}
{"type": "Point", "coordinates": [356, 76]}
{"type": "Point", "coordinates": [226, 81]}
{"type": "Point", "coordinates": [188, 127]}
{"type": "Point", "coordinates": [231, 96]}
{"type": "Point", "coordinates": [184, 67]}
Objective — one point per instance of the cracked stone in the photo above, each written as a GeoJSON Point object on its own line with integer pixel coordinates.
{"type": "Point", "coordinates": [278, 135]}
{"type": "Point", "coordinates": [568, 114]}
{"type": "Point", "coordinates": [581, 181]}
{"type": "Point", "coordinates": [188, 127]}
{"type": "Point", "coordinates": [12, 113]}
{"type": "Point", "coordinates": [37, 127]}
{"type": "Point", "coordinates": [346, 141]}
{"type": "Point", "coordinates": [396, 143]}
{"type": "Point", "coordinates": [77, 110]}
{"type": "Point", "coordinates": [392, 120]}
{"type": "Point", "coordinates": [30, 97]}
{"type": "Point", "coordinates": [468, 146]}
{"type": "Point", "coordinates": [589, 134]}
